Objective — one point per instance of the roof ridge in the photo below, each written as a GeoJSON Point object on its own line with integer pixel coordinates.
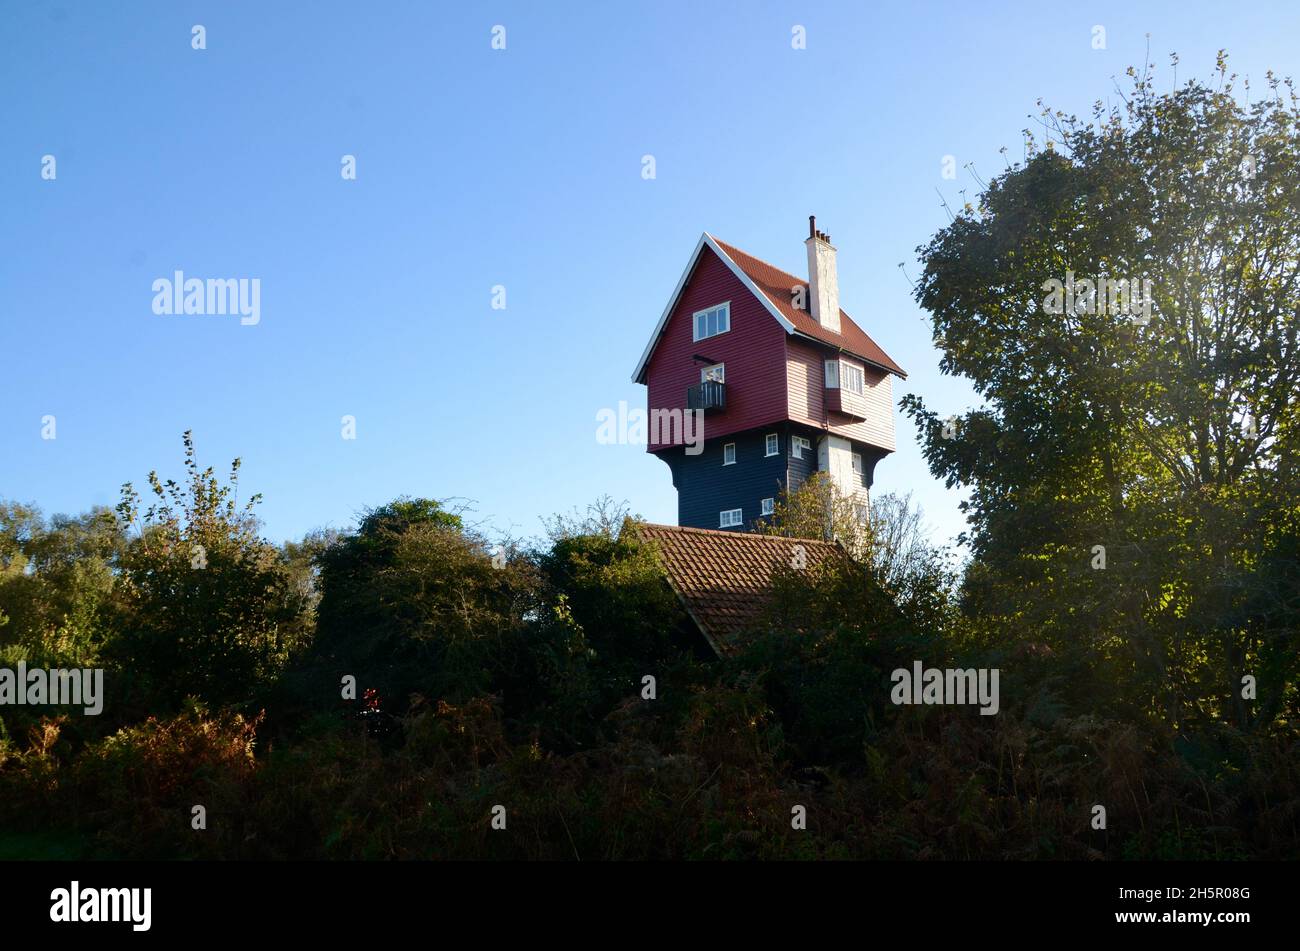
{"type": "Point", "coordinates": [739, 535]}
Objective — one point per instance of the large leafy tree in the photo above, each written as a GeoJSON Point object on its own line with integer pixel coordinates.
{"type": "Point", "coordinates": [1159, 443]}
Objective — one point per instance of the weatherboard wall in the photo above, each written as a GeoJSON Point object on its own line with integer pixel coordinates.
{"type": "Point", "coordinates": [806, 385]}
{"type": "Point", "coordinates": [706, 487]}
{"type": "Point", "coordinates": [753, 351]}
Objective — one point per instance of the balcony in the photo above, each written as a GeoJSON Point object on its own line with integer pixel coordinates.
{"type": "Point", "coordinates": [846, 402]}
{"type": "Point", "coordinates": [708, 396]}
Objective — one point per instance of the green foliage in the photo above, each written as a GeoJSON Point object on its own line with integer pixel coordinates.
{"type": "Point", "coordinates": [513, 675]}
{"type": "Point", "coordinates": [412, 602]}
{"type": "Point", "coordinates": [833, 634]}
{"type": "Point", "coordinates": [207, 608]}
{"type": "Point", "coordinates": [889, 541]}
{"type": "Point", "coordinates": [1171, 445]}
{"type": "Point", "coordinates": [607, 619]}
{"type": "Point", "coordinates": [614, 591]}
{"type": "Point", "coordinates": [56, 584]}
{"type": "Point", "coordinates": [818, 510]}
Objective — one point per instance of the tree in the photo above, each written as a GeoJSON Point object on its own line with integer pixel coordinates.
{"type": "Point", "coordinates": [1136, 453]}
{"type": "Point", "coordinates": [609, 584]}
{"type": "Point", "coordinates": [818, 509]}
{"type": "Point", "coordinates": [891, 541]}
{"type": "Point", "coordinates": [56, 583]}
{"type": "Point", "coordinates": [608, 619]}
{"type": "Point", "coordinates": [413, 601]}
{"type": "Point", "coordinates": [209, 608]}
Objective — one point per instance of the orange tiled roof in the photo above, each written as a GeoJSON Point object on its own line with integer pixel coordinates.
{"type": "Point", "coordinates": [724, 578]}
{"type": "Point", "coordinates": [775, 285]}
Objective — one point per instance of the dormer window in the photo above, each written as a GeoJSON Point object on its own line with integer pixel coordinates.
{"type": "Point", "coordinates": [713, 321]}
{"type": "Point", "coordinates": [841, 375]}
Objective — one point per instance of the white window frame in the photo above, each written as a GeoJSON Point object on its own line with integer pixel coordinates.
{"type": "Point", "coordinates": [797, 446]}
{"type": "Point", "coordinates": [857, 463]}
{"type": "Point", "coordinates": [768, 440]}
{"type": "Point", "coordinates": [732, 447]}
{"type": "Point", "coordinates": [848, 374]}
{"type": "Point", "coordinates": [721, 376]}
{"type": "Point", "coordinates": [769, 507]}
{"type": "Point", "coordinates": [731, 518]}
{"type": "Point", "coordinates": [838, 370]}
{"type": "Point", "coordinates": [724, 317]}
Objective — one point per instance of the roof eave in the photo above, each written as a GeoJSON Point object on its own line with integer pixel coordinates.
{"type": "Point", "coordinates": [875, 363]}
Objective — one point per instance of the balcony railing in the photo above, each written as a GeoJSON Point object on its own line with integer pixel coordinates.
{"type": "Point", "coordinates": [708, 395]}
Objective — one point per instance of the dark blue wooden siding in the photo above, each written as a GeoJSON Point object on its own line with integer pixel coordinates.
{"type": "Point", "coordinates": [705, 487]}
{"type": "Point", "coordinates": [801, 469]}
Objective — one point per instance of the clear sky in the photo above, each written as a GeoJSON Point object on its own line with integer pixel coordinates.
{"type": "Point", "coordinates": [478, 167]}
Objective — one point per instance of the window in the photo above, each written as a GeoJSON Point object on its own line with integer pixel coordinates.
{"type": "Point", "coordinates": [851, 377]}
{"type": "Point", "coordinates": [729, 454]}
{"type": "Point", "coordinates": [769, 506]}
{"type": "Point", "coordinates": [729, 519]}
{"type": "Point", "coordinates": [717, 372]}
{"type": "Point", "coordinates": [798, 446]}
{"type": "Point", "coordinates": [857, 463]}
{"type": "Point", "coordinates": [846, 375]}
{"type": "Point", "coordinates": [773, 445]}
{"type": "Point", "coordinates": [714, 321]}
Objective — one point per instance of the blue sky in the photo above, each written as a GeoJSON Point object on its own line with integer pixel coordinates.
{"type": "Point", "coordinates": [479, 167]}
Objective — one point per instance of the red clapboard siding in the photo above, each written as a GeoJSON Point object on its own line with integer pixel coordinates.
{"type": "Point", "coordinates": [806, 384]}
{"type": "Point", "coordinates": [753, 351]}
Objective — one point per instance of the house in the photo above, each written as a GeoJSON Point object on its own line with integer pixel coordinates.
{"type": "Point", "coordinates": [783, 382]}
{"type": "Point", "coordinates": [724, 578]}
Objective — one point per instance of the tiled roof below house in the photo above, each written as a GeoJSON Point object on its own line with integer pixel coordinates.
{"type": "Point", "coordinates": [724, 578]}
{"type": "Point", "coordinates": [775, 284]}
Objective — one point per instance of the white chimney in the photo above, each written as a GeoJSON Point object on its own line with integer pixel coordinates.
{"type": "Point", "coordinates": [823, 282]}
